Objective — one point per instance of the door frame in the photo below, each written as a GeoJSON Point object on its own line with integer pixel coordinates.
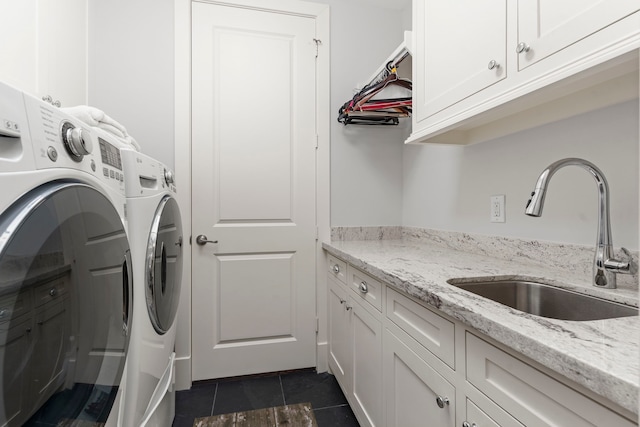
{"type": "Point", "coordinates": [182, 138]}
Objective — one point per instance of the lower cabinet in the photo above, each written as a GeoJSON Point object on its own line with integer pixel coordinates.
{"type": "Point", "coordinates": [403, 364]}
{"type": "Point", "coordinates": [355, 353]}
{"type": "Point", "coordinates": [34, 330]}
{"type": "Point", "coordinates": [50, 351]}
{"type": "Point", "coordinates": [533, 397]}
{"type": "Point", "coordinates": [14, 377]}
{"type": "Point", "coordinates": [414, 392]}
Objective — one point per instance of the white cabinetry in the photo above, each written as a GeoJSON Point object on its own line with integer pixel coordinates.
{"type": "Point", "coordinates": [355, 350]}
{"type": "Point", "coordinates": [15, 336]}
{"type": "Point", "coordinates": [414, 390]}
{"type": "Point", "coordinates": [44, 48]}
{"type": "Point", "coordinates": [402, 363]}
{"type": "Point", "coordinates": [547, 27]}
{"type": "Point", "coordinates": [456, 42]}
{"type": "Point", "coordinates": [531, 396]}
{"type": "Point", "coordinates": [34, 324]}
{"type": "Point", "coordinates": [477, 65]}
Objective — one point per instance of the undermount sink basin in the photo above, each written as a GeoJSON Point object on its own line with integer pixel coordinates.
{"type": "Point", "coordinates": [548, 301]}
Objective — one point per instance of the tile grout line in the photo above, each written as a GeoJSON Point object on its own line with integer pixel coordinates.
{"type": "Point", "coordinates": [215, 394]}
{"type": "Point", "coordinates": [284, 399]}
{"type": "Point", "coordinates": [330, 407]}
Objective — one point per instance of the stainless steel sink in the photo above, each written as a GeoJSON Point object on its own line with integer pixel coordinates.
{"type": "Point", "coordinates": [547, 301]}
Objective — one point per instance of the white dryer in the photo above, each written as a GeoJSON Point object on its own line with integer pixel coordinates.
{"type": "Point", "coordinates": [155, 229]}
{"type": "Point", "coordinates": [65, 269]}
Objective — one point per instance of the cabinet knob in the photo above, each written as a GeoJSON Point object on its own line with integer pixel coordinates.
{"type": "Point", "coordinates": [336, 269]}
{"type": "Point", "coordinates": [442, 401]}
{"type": "Point", "coordinates": [522, 47]}
{"type": "Point", "coordinates": [349, 307]}
{"type": "Point", "coordinates": [363, 287]}
{"type": "Point", "coordinates": [53, 292]}
{"type": "Point", "coordinates": [466, 424]}
{"type": "Point", "coordinates": [342, 301]}
{"type": "Point", "coordinates": [3, 313]}
{"type": "Point", "coordinates": [493, 64]}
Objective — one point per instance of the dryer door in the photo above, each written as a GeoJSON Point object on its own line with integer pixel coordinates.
{"type": "Point", "coordinates": [164, 265]}
{"type": "Point", "coordinates": [65, 306]}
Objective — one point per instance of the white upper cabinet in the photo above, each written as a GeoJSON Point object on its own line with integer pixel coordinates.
{"type": "Point", "coordinates": [486, 68]}
{"type": "Point", "coordinates": [44, 48]}
{"type": "Point", "coordinates": [548, 26]}
{"type": "Point", "coordinates": [462, 50]}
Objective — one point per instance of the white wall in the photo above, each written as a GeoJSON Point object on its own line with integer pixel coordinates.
{"type": "Point", "coordinates": [131, 63]}
{"type": "Point", "coordinates": [375, 179]}
{"type": "Point", "coordinates": [448, 187]}
{"type": "Point", "coordinates": [366, 161]}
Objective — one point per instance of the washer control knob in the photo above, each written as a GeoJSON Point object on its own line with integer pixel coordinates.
{"type": "Point", "coordinates": [79, 142]}
{"type": "Point", "coordinates": [76, 141]}
{"type": "Point", "coordinates": [169, 177]}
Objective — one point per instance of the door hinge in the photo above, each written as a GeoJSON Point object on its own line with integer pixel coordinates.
{"type": "Point", "coordinates": [317, 324]}
{"type": "Point", "coordinates": [317, 233]}
{"type": "Point", "coordinates": [318, 42]}
{"type": "Point", "coordinates": [317, 141]}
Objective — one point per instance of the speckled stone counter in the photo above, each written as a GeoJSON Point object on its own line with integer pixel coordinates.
{"type": "Point", "coordinates": [601, 355]}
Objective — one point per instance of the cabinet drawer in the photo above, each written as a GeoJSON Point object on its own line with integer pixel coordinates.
{"type": "Point", "coordinates": [479, 417]}
{"type": "Point", "coordinates": [531, 396]}
{"type": "Point", "coordinates": [49, 291]}
{"type": "Point", "coordinates": [337, 268]}
{"type": "Point", "coordinates": [13, 305]}
{"type": "Point", "coordinates": [368, 288]}
{"type": "Point", "coordinates": [430, 329]}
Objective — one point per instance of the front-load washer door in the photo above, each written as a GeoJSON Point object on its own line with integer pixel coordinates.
{"type": "Point", "coordinates": [65, 306]}
{"type": "Point", "coordinates": [164, 265]}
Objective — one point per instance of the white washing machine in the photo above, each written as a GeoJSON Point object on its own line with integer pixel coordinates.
{"type": "Point", "coordinates": [65, 269]}
{"type": "Point", "coordinates": [155, 230]}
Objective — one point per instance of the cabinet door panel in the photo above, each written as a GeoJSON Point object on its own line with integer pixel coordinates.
{"type": "Point", "coordinates": [548, 26]}
{"type": "Point", "coordinates": [455, 41]}
{"type": "Point", "coordinates": [50, 349]}
{"type": "Point", "coordinates": [412, 387]}
{"type": "Point", "coordinates": [367, 364]}
{"type": "Point", "coordinates": [14, 373]}
{"type": "Point", "coordinates": [338, 333]}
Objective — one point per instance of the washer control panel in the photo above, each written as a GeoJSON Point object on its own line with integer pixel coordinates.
{"type": "Point", "coordinates": [62, 141]}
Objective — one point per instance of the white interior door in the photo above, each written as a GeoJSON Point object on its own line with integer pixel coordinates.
{"type": "Point", "coordinates": [253, 184]}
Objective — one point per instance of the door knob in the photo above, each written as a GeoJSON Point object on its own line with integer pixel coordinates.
{"type": "Point", "coordinates": [201, 239]}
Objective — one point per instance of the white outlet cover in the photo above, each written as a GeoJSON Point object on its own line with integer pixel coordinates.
{"type": "Point", "coordinates": [497, 208]}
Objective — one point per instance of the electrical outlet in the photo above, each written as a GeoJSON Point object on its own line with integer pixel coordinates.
{"type": "Point", "coordinates": [497, 208]}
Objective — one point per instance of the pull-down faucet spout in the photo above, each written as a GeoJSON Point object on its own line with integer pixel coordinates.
{"type": "Point", "coordinates": [605, 266]}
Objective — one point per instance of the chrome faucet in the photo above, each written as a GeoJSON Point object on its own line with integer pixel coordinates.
{"type": "Point", "coordinates": [605, 266]}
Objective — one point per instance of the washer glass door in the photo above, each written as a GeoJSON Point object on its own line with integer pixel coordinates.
{"type": "Point", "coordinates": [164, 265]}
{"type": "Point", "coordinates": [65, 301]}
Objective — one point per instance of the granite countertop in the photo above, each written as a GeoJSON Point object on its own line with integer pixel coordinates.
{"type": "Point", "coordinates": [601, 355]}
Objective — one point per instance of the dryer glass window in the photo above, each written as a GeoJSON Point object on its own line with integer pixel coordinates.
{"type": "Point", "coordinates": [65, 293]}
{"type": "Point", "coordinates": [164, 265]}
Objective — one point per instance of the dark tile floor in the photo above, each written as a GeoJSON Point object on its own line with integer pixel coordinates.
{"type": "Point", "coordinates": [207, 398]}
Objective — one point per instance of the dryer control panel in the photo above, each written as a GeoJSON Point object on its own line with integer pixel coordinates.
{"type": "Point", "coordinates": [145, 175]}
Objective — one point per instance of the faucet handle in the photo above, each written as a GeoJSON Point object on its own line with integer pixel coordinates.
{"type": "Point", "coordinates": [623, 267]}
